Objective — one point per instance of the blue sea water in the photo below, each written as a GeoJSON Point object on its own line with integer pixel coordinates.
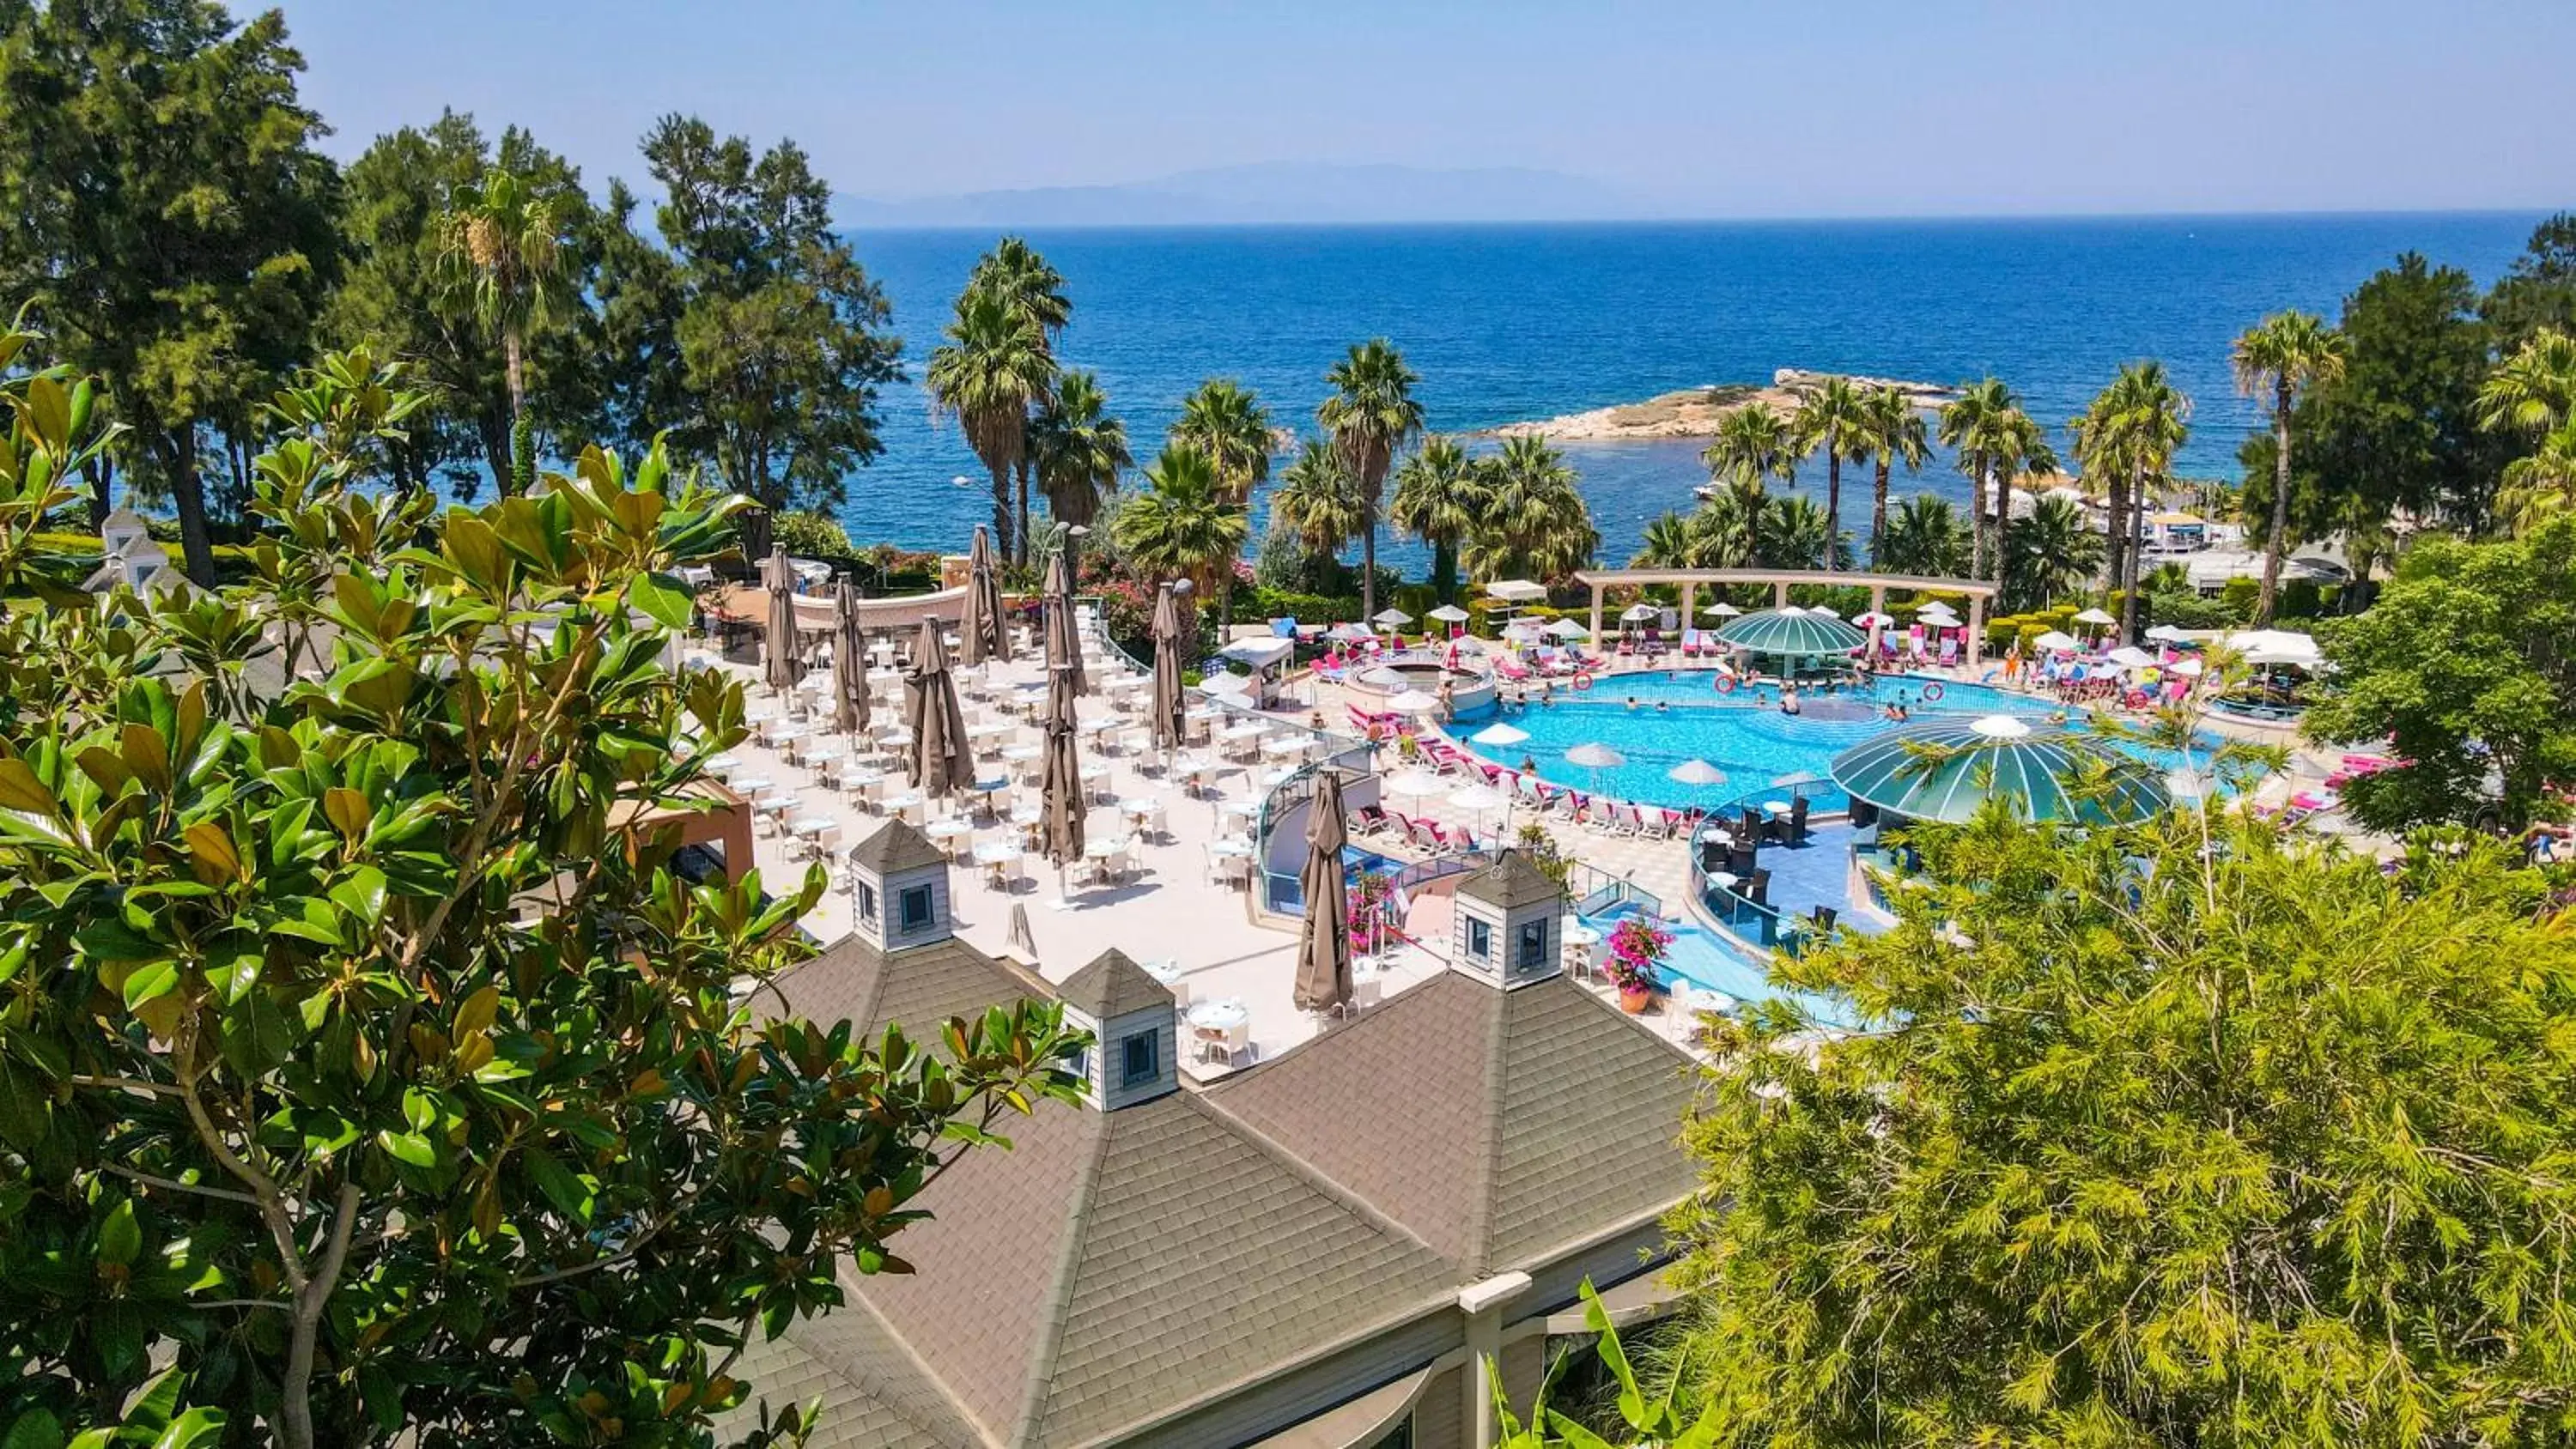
{"type": "Point", "coordinates": [1518, 322]}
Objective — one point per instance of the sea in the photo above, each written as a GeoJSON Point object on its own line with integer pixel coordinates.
{"type": "Point", "coordinates": [1509, 323]}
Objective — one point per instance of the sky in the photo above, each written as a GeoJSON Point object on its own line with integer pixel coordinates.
{"type": "Point", "coordinates": [1695, 108]}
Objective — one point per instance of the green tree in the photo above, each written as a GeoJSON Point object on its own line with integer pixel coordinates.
{"type": "Point", "coordinates": [992, 367]}
{"type": "Point", "coordinates": [2538, 293]}
{"type": "Point", "coordinates": [2128, 437]}
{"type": "Point", "coordinates": [1535, 524]}
{"type": "Point", "coordinates": [779, 330]}
{"type": "Point", "coordinates": [1798, 533]}
{"type": "Point", "coordinates": [2283, 356]}
{"type": "Point", "coordinates": [2461, 665]}
{"type": "Point", "coordinates": [2048, 554]}
{"type": "Point", "coordinates": [1223, 422]}
{"type": "Point", "coordinates": [1997, 442]}
{"type": "Point", "coordinates": [1925, 537]}
{"type": "Point", "coordinates": [1439, 497]}
{"type": "Point", "coordinates": [1030, 286]}
{"type": "Point", "coordinates": [501, 237]}
{"type": "Point", "coordinates": [168, 220]}
{"type": "Point", "coordinates": [2533, 393]}
{"type": "Point", "coordinates": [1833, 419]}
{"type": "Point", "coordinates": [1318, 500]}
{"type": "Point", "coordinates": [1893, 432]}
{"type": "Point", "coordinates": [1079, 449]}
{"type": "Point", "coordinates": [1182, 524]}
{"type": "Point", "coordinates": [1753, 444]}
{"type": "Point", "coordinates": [367, 1068]}
{"type": "Point", "coordinates": [2188, 1134]}
{"type": "Point", "coordinates": [1370, 416]}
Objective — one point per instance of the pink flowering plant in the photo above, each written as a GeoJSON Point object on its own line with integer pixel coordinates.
{"type": "Point", "coordinates": [1372, 922]}
{"type": "Point", "coordinates": [1636, 945]}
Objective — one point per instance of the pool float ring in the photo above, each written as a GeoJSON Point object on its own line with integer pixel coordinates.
{"type": "Point", "coordinates": [1932, 692]}
{"type": "Point", "coordinates": [1726, 684]}
{"type": "Point", "coordinates": [1583, 681]}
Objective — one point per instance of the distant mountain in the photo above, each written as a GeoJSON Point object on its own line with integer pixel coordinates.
{"type": "Point", "coordinates": [1272, 192]}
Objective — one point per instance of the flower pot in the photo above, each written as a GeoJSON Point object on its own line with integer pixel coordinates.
{"type": "Point", "coordinates": [1635, 999]}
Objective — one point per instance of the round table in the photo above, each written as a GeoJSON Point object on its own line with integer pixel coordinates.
{"type": "Point", "coordinates": [1283, 748]}
{"type": "Point", "coordinates": [1775, 807]}
{"type": "Point", "coordinates": [1579, 934]}
{"type": "Point", "coordinates": [1223, 1013]}
{"type": "Point", "coordinates": [1166, 971]}
{"type": "Point", "coordinates": [1103, 849]}
{"type": "Point", "coordinates": [1724, 879]}
{"type": "Point", "coordinates": [1244, 808]}
{"type": "Point", "coordinates": [1020, 754]}
{"type": "Point", "coordinates": [1231, 847]}
{"type": "Point", "coordinates": [948, 829]}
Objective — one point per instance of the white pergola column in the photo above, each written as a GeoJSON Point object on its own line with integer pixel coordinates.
{"type": "Point", "coordinates": [1976, 629]}
{"type": "Point", "coordinates": [1690, 599]}
{"type": "Point", "coordinates": [1596, 611]}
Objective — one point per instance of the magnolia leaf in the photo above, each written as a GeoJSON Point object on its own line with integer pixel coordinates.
{"type": "Point", "coordinates": [120, 1238]}
{"type": "Point", "coordinates": [21, 790]}
{"type": "Point", "coordinates": [661, 598]}
{"type": "Point", "coordinates": [347, 811]}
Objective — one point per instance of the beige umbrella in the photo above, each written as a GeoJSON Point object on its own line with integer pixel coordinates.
{"type": "Point", "coordinates": [1060, 779]}
{"type": "Point", "coordinates": [981, 635]}
{"type": "Point", "coordinates": [941, 760]}
{"type": "Point", "coordinates": [1168, 628]}
{"type": "Point", "coordinates": [1324, 940]}
{"type": "Point", "coordinates": [1063, 650]}
{"type": "Point", "coordinates": [778, 668]}
{"type": "Point", "coordinates": [849, 662]}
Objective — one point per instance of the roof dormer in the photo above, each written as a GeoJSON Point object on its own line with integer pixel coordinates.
{"type": "Point", "coordinates": [899, 889]}
{"type": "Point", "coordinates": [1135, 1029]}
{"type": "Point", "coordinates": [1510, 923]}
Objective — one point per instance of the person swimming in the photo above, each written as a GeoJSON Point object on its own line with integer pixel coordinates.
{"type": "Point", "coordinates": [1632, 701]}
{"type": "Point", "coordinates": [1788, 700]}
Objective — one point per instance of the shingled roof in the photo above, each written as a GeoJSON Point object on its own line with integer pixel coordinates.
{"type": "Point", "coordinates": [898, 845]}
{"type": "Point", "coordinates": [1533, 1118]}
{"type": "Point", "coordinates": [1112, 986]}
{"type": "Point", "coordinates": [1511, 882]}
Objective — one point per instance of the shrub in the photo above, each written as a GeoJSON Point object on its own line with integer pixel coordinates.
{"type": "Point", "coordinates": [811, 535]}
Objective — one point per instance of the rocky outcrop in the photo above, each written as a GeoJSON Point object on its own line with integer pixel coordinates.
{"type": "Point", "coordinates": [1695, 412]}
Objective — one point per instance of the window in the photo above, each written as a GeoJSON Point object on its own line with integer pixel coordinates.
{"type": "Point", "coordinates": [1480, 940]}
{"type": "Point", "coordinates": [1140, 1059]}
{"type": "Point", "coordinates": [916, 909]}
{"type": "Point", "coordinates": [1533, 946]}
{"type": "Point", "coordinates": [1078, 1063]}
{"type": "Point", "coordinates": [866, 896]}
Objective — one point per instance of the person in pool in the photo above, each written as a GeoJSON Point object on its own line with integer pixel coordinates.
{"type": "Point", "coordinates": [1788, 700]}
{"type": "Point", "coordinates": [1632, 701]}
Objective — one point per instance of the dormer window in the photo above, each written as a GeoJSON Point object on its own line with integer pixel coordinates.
{"type": "Point", "coordinates": [866, 896]}
{"type": "Point", "coordinates": [1480, 939]}
{"type": "Point", "coordinates": [1140, 1058]}
{"type": "Point", "coordinates": [914, 910]}
{"type": "Point", "coordinates": [1532, 950]}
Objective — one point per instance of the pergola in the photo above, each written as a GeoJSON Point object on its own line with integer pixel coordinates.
{"type": "Point", "coordinates": [1779, 580]}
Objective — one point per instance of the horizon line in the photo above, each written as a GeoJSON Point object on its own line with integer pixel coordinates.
{"type": "Point", "coordinates": [1784, 219]}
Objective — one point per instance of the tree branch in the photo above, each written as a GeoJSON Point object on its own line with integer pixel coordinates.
{"type": "Point", "coordinates": [172, 1183]}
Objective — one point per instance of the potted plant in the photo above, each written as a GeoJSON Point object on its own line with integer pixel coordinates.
{"type": "Point", "coordinates": [1635, 947]}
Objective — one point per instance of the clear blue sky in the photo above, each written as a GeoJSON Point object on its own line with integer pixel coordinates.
{"type": "Point", "coordinates": [1705, 107]}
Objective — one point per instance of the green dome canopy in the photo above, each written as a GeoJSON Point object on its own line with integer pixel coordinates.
{"type": "Point", "coordinates": [1791, 631]}
{"type": "Point", "coordinates": [1945, 769]}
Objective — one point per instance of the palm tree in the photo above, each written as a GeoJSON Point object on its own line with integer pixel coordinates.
{"type": "Point", "coordinates": [2048, 554]}
{"type": "Point", "coordinates": [1439, 496]}
{"type": "Point", "coordinates": [1997, 442]}
{"type": "Point", "coordinates": [1078, 449]}
{"type": "Point", "coordinates": [2281, 356]}
{"type": "Point", "coordinates": [1223, 421]}
{"type": "Point", "coordinates": [2129, 436]}
{"type": "Point", "coordinates": [1535, 523]}
{"type": "Point", "coordinates": [2534, 392]}
{"type": "Point", "coordinates": [1181, 524]}
{"type": "Point", "coordinates": [993, 367]}
{"type": "Point", "coordinates": [1371, 415]}
{"type": "Point", "coordinates": [1317, 499]}
{"type": "Point", "coordinates": [1798, 533]}
{"type": "Point", "coordinates": [1024, 281]}
{"type": "Point", "coordinates": [1754, 443]}
{"type": "Point", "coordinates": [502, 238]}
{"type": "Point", "coordinates": [1891, 432]}
{"type": "Point", "coordinates": [1731, 525]}
{"type": "Point", "coordinates": [1925, 537]}
{"type": "Point", "coordinates": [1833, 419]}
{"type": "Point", "coordinates": [1673, 540]}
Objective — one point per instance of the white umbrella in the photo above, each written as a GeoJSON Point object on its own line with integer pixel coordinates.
{"type": "Point", "coordinates": [1226, 685]}
{"type": "Point", "coordinates": [1872, 620]}
{"type": "Point", "coordinates": [1568, 629]}
{"type": "Point", "coordinates": [1450, 614]}
{"type": "Point", "coordinates": [1477, 799]}
{"type": "Point", "coordinates": [1350, 633]}
{"type": "Point", "coordinates": [1499, 735]}
{"type": "Point", "coordinates": [1937, 614]}
{"type": "Point", "coordinates": [2053, 640]}
{"type": "Point", "coordinates": [1412, 701]}
{"type": "Point", "coordinates": [1524, 629]}
{"type": "Point", "coordinates": [1417, 782]}
{"type": "Point", "coordinates": [1696, 772]}
{"type": "Point", "coordinates": [1821, 609]}
{"type": "Point", "coordinates": [2188, 668]}
{"type": "Point", "coordinates": [1721, 611]}
{"type": "Point", "coordinates": [1391, 618]}
{"type": "Point", "coordinates": [2129, 656]}
{"type": "Point", "coordinates": [2095, 616]}
{"type": "Point", "coordinates": [2167, 633]}
{"type": "Point", "coordinates": [1595, 757]}
{"type": "Point", "coordinates": [1469, 645]}
{"type": "Point", "coordinates": [1639, 613]}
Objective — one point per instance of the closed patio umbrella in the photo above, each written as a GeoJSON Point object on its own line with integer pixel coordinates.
{"type": "Point", "coordinates": [941, 759]}
{"type": "Point", "coordinates": [1324, 940]}
{"type": "Point", "coordinates": [778, 666]}
{"type": "Point", "coordinates": [980, 635]}
{"type": "Point", "coordinates": [1060, 779]}
{"type": "Point", "coordinates": [1063, 649]}
{"type": "Point", "coordinates": [1166, 716]}
{"type": "Point", "coordinates": [849, 662]}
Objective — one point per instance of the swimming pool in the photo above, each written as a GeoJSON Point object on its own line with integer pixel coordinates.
{"type": "Point", "coordinates": [1712, 963]}
{"type": "Point", "coordinates": [1752, 743]}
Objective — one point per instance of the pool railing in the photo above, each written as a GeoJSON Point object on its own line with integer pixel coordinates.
{"type": "Point", "coordinates": [1758, 924]}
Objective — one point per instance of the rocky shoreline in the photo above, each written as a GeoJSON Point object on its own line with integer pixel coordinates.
{"type": "Point", "coordinates": [1695, 412]}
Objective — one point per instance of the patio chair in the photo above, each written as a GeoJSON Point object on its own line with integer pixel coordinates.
{"type": "Point", "coordinates": [1369, 820]}
{"type": "Point", "coordinates": [1757, 887]}
{"type": "Point", "coordinates": [1798, 821]}
{"type": "Point", "coordinates": [1823, 916]}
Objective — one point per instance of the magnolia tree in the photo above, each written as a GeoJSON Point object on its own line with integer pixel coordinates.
{"type": "Point", "coordinates": [368, 1072]}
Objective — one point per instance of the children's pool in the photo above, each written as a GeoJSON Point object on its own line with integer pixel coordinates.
{"type": "Point", "coordinates": [1711, 962]}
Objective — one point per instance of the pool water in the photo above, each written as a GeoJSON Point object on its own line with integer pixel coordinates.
{"type": "Point", "coordinates": [1712, 962]}
{"type": "Point", "coordinates": [1752, 743]}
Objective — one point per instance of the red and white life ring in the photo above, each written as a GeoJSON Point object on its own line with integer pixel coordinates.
{"type": "Point", "coordinates": [1932, 691]}
{"type": "Point", "coordinates": [1726, 684]}
{"type": "Point", "coordinates": [1583, 681]}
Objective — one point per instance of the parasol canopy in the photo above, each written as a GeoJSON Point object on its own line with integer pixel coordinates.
{"type": "Point", "coordinates": [1946, 769]}
{"type": "Point", "coordinates": [1791, 631]}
